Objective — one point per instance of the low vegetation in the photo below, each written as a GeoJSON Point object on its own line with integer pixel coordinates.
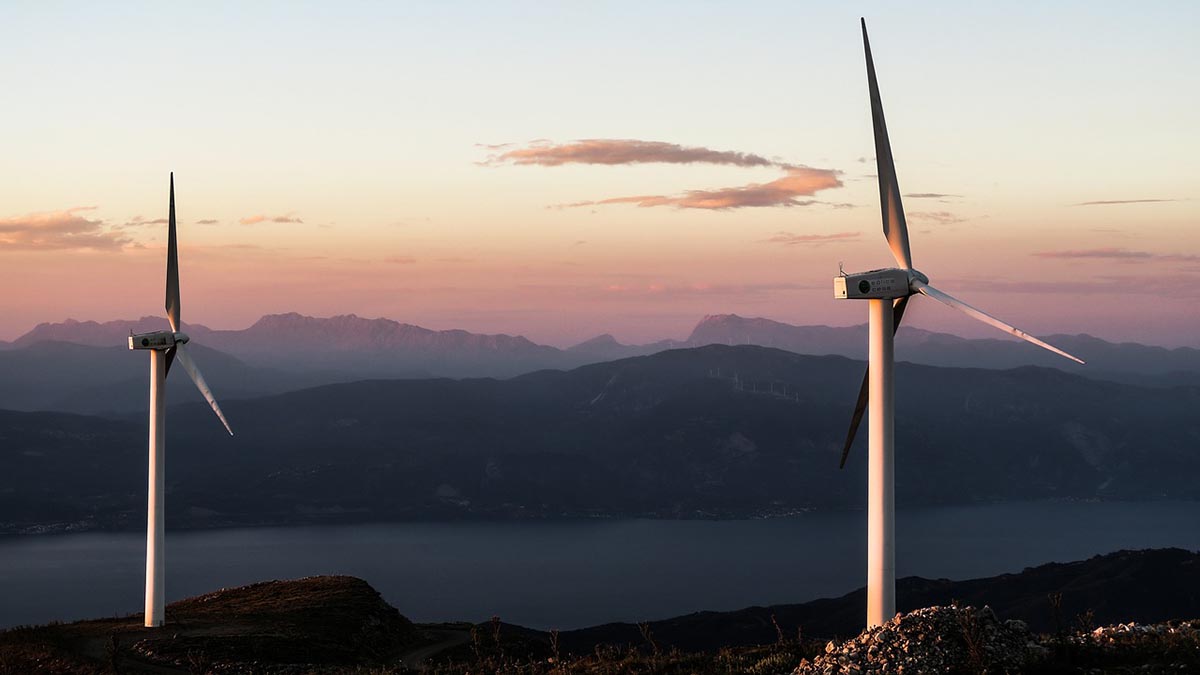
{"type": "Point", "coordinates": [340, 625]}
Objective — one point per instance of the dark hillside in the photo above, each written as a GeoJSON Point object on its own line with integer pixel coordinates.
{"type": "Point", "coordinates": [713, 431]}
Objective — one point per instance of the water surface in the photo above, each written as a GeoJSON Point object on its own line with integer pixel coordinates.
{"type": "Point", "coordinates": [569, 574]}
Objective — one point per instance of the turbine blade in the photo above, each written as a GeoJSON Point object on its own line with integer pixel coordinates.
{"type": "Point", "coordinates": [189, 365]}
{"type": "Point", "coordinates": [172, 265]}
{"type": "Point", "coordinates": [864, 392]}
{"type": "Point", "coordinates": [170, 360]}
{"type": "Point", "coordinates": [970, 311]}
{"type": "Point", "coordinates": [894, 226]}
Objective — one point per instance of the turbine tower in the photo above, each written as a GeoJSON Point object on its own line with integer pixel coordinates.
{"type": "Point", "coordinates": [164, 347]}
{"type": "Point", "coordinates": [887, 292]}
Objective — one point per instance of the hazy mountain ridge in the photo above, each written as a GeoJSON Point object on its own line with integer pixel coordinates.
{"type": "Point", "coordinates": [348, 346]}
{"type": "Point", "coordinates": [70, 377]}
{"type": "Point", "coordinates": [708, 431]}
{"type": "Point", "coordinates": [1127, 361]}
{"type": "Point", "coordinates": [284, 336]}
{"type": "Point", "coordinates": [96, 334]}
{"type": "Point", "coordinates": [83, 366]}
{"type": "Point", "coordinates": [382, 347]}
{"type": "Point", "coordinates": [605, 347]}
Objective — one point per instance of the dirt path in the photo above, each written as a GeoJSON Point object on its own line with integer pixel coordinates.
{"type": "Point", "coordinates": [446, 639]}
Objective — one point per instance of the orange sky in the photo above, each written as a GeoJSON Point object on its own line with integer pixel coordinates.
{"type": "Point", "coordinates": [564, 172]}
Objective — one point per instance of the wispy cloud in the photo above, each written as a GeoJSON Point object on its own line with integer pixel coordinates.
{"type": "Point", "coordinates": [608, 151]}
{"type": "Point", "coordinates": [207, 221]}
{"type": "Point", "coordinates": [943, 217]}
{"type": "Point", "coordinates": [400, 260]}
{"type": "Point", "coordinates": [800, 182]}
{"type": "Point", "coordinates": [1155, 284]}
{"type": "Point", "coordinates": [1118, 254]}
{"type": "Point", "coordinates": [1110, 202]}
{"type": "Point", "coordinates": [665, 290]}
{"type": "Point", "coordinates": [260, 218]}
{"type": "Point", "coordinates": [930, 195]}
{"type": "Point", "coordinates": [138, 221]}
{"type": "Point", "coordinates": [789, 239]}
{"type": "Point", "coordinates": [59, 230]}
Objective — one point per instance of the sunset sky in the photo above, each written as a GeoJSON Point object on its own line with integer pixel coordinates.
{"type": "Point", "coordinates": [560, 170]}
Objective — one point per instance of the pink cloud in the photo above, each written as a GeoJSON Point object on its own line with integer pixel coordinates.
{"type": "Point", "coordinates": [59, 230]}
{"type": "Point", "coordinates": [801, 181]}
{"type": "Point", "coordinates": [1118, 254]}
{"type": "Point", "coordinates": [1110, 202]}
{"type": "Point", "coordinates": [789, 239]}
{"type": "Point", "coordinates": [260, 218]}
{"type": "Point", "coordinates": [1173, 285]}
{"type": "Point", "coordinates": [138, 221]}
{"type": "Point", "coordinates": [659, 290]}
{"type": "Point", "coordinates": [943, 217]}
{"type": "Point", "coordinates": [623, 151]}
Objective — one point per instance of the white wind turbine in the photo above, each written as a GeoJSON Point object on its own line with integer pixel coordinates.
{"type": "Point", "coordinates": [164, 347]}
{"type": "Point", "coordinates": [888, 291]}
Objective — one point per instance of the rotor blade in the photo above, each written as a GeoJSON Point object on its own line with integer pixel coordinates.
{"type": "Point", "coordinates": [894, 227]}
{"type": "Point", "coordinates": [864, 392]}
{"type": "Point", "coordinates": [970, 311]}
{"type": "Point", "coordinates": [172, 265]}
{"type": "Point", "coordinates": [189, 365]}
{"type": "Point", "coordinates": [170, 360]}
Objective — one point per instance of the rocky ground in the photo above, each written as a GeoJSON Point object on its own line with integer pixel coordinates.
{"type": "Point", "coordinates": [935, 639]}
{"type": "Point", "coordinates": [974, 640]}
{"type": "Point", "coordinates": [341, 625]}
{"type": "Point", "coordinates": [302, 625]}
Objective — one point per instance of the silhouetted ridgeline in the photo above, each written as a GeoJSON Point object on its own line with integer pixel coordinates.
{"type": "Point", "coordinates": [713, 431]}
{"type": "Point", "coordinates": [284, 352]}
{"type": "Point", "coordinates": [341, 625]}
{"type": "Point", "coordinates": [1141, 586]}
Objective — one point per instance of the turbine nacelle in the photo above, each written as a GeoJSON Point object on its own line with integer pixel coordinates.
{"type": "Point", "coordinates": [159, 339]}
{"type": "Point", "coordinates": [892, 282]}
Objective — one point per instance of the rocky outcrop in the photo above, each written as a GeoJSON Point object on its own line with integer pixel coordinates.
{"type": "Point", "coordinates": [932, 640]}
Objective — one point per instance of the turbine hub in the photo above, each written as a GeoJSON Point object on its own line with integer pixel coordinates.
{"type": "Point", "coordinates": [917, 275]}
{"type": "Point", "coordinates": [160, 340]}
{"type": "Point", "coordinates": [892, 282]}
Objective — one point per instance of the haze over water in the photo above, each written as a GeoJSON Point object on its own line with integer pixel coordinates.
{"type": "Point", "coordinates": [571, 574]}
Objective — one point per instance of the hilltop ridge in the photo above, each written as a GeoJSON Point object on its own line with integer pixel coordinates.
{"type": "Point", "coordinates": [708, 432]}
{"type": "Point", "coordinates": [338, 624]}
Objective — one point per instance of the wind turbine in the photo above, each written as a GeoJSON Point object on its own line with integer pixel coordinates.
{"type": "Point", "coordinates": [888, 291]}
{"type": "Point", "coordinates": [164, 347]}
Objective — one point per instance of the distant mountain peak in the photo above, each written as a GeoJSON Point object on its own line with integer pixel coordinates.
{"type": "Point", "coordinates": [719, 318]}
{"type": "Point", "coordinates": [97, 334]}
{"type": "Point", "coordinates": [603, 340]}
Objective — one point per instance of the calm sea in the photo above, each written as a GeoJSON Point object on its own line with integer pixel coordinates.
{"type": "Point", "coordinates": [571, 574]}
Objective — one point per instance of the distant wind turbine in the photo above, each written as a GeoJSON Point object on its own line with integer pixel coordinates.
{"type": "Point", "coordinates": [164, 347]}
{"type": "Point", "coordinates": [888, 291]}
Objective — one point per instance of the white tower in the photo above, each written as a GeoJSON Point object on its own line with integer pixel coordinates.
{"type": "Point", "coordinates": [164, 348]}
{"type": "Point", "coordinates": [887, 292]}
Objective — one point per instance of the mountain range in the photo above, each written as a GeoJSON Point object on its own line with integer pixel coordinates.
{"type": "Point", "coordinates": [83, 366]}
{"type": "Point", "coordinates": [709, 431]}
{"type": "Point", "coordinates": [1142, 586]}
